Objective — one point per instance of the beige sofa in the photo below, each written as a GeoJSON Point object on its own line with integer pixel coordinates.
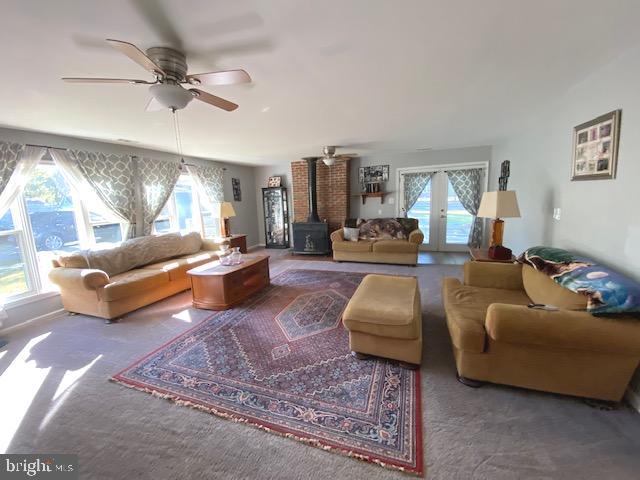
{"type": "Point", "coordinates": [111, 282]}
{"type": "Point", "coordinates": [497, 338]}
{"type": "Point", "coordinates": [403, 252]}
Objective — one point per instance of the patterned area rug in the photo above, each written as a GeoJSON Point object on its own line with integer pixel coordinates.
{"type": "Point", "coordinates": [282, 362]}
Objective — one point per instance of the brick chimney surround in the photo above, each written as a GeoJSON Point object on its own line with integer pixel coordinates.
{"type": "Point", "coordinates": [332, 192]}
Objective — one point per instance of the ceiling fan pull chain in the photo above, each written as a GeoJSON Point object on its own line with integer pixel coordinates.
{"type": "Point", "coordinates": [176, 128]}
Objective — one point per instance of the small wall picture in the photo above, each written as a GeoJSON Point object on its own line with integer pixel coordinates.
{"type": "Point", "coordinates": [275, 182]}
{"type": "Point", "coordinates": [237, 193]}
{"type": "Point", "coordinates": [374, 173]}
{"type": "Point", "coordinates": [595, 148]}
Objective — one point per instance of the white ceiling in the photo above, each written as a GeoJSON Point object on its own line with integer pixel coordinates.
{"type": "Point", "coordinates": [384, 74]}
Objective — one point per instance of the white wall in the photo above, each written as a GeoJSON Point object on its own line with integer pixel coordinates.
{"type": "Point", "coordinates": [244, 222]}
{"type": "Point", "coordinates": [600, 218]}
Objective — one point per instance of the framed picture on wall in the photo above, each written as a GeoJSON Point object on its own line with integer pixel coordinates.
{"type": "Point", "coordinates": [237, 192]}
{"type": "Point", "coordinates": [595, 148]}
{"type": "Point", "coordinates": [374, 173]}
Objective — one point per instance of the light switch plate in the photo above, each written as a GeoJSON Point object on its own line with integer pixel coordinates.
{"type": "Point", "coordinates": [556, 213]}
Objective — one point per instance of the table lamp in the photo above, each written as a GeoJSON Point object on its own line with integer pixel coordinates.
{"type": "Point", "coordinates": [498, 205]}
{"type": "Point", "coordinates": [226, 212]}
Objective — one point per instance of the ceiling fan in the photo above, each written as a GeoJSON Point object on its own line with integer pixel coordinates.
{"type": "Point", "coordinates": [329, 155]}
{"type": "Point", "coordinates": [169, 68]}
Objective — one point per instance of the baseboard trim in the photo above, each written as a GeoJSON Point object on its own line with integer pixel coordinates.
{"type": "Point", "coordinates": [634, 399]}
{"type": "Point", "coordinates": [47, 316]}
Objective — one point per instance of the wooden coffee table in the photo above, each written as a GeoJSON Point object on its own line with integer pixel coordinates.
{"type": "Point", "coordinates": [220, 287]}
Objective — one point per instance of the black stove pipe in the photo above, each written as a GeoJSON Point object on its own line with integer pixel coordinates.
{"type": "Point", "coordinates": [313, 192]}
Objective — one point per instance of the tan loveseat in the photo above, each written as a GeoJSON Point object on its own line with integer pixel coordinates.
{"type": "Point", "coordinates": [111, 282]}
{"type": "Point", "coordinates": [383, 250]}
{"type": "Point", "coordinates": [497, 338]}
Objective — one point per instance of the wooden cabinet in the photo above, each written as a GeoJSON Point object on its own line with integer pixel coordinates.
{"type": "Point", "coordinates": [220, 287]}
{"type": "Point", "coordinates": [239, 240]}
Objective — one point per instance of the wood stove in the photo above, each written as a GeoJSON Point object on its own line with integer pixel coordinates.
{"type": "Point", "coordinates": [311, 237]}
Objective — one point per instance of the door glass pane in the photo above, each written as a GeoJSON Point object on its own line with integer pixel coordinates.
{"type": "Point", "coordinates": [422, 211]}
{"type": "Point", "coordinates": [13, 272]}
{"type": "Point", "coordinates": [105, 231]}
{"type": "Point", "coordinates": [51, 213]}
{"type": "Point", "coordinates": [459, 221]}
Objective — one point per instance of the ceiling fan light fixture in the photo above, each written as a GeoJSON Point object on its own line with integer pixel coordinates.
{"type": "Point", "coordinates": [171, 96]}
{"type": "Point", "coordinates": [328, 161]}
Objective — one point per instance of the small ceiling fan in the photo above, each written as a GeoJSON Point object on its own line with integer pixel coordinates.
{"type": "Point", "coordinates": [169, 68]}
{"type": "Point", "coordinates": [329, 155]}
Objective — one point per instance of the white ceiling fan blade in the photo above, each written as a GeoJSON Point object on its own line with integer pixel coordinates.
{"type": "Point", "coordinates": [137, 55]}
{"type": "Point", "coordinates": [153, 105]}
{"type": "Point", "coordinates": [227, 77]}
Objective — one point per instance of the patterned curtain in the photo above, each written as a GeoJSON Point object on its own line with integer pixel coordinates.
{"type": "Point", "coordinates": [414, 184]}
{"type": "Point", "coordinates": [209, 182]}
{"type": "Point", "coordinates": [157, 180]}
{"type": "Point", "coordinates": [17, 162]}
{"type": "Point", "coordinates": [112, 178]}
{"type": "Point", "coordinates": [466, 184]}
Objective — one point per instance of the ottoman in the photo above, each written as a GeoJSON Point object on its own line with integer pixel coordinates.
{"type": "Point", "coordinates": [384, 319]}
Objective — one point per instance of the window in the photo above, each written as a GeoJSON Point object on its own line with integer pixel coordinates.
{"type": "Point", "coordinates": [105, 230]}
{"type": "Point", "coordinates": [51, 213]}
{"type": "Point", "coordinates": [162, 224]}
{"type": "Point", "coordinates": [46, 220]}
{"type": "Point", "coordinates": [49, 218]}
{"type": "Point", "coordinates": [14, 274]}
{"type": "Point", "coordinates": [185, 213]}
{"type": "Point", "coordinates": [210, 222]}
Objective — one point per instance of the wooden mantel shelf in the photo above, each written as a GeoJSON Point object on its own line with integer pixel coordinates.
{"type": "Point", "coordinates": [379, 195]}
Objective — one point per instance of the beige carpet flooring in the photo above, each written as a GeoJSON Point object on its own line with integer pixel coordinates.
{"type": "Point", "coordinates": [56, 398]}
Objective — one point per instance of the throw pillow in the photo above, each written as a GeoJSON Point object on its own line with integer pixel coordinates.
{"type": "Point", "coordinates": [351, 234]}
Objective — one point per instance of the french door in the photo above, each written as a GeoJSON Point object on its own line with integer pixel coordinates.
{"type": "Point", "coordinates": [446, 224]}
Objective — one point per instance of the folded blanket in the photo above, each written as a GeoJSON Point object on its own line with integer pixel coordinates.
{"type": "Point", "coordinates": [607, 291]}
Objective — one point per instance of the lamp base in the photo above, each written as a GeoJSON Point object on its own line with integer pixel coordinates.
{"type": "Point", "coordinates": [226, 228]}
{"type": "Point", "coordinates": [497, 232]}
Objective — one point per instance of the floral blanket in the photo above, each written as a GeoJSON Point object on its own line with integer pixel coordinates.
{"type": "Point", "coordinates": [383, 228]}
{"type": "Point", "coordinates": [607, 291]}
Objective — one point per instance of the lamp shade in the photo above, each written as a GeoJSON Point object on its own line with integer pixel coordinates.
{"type": "Point", "coordinates": [226, 210]}
{"type": "Point", "coordinates": [500, 204]}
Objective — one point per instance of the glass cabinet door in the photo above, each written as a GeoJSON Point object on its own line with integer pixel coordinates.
{"type": "Point", "coordinates": [275, 217]}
